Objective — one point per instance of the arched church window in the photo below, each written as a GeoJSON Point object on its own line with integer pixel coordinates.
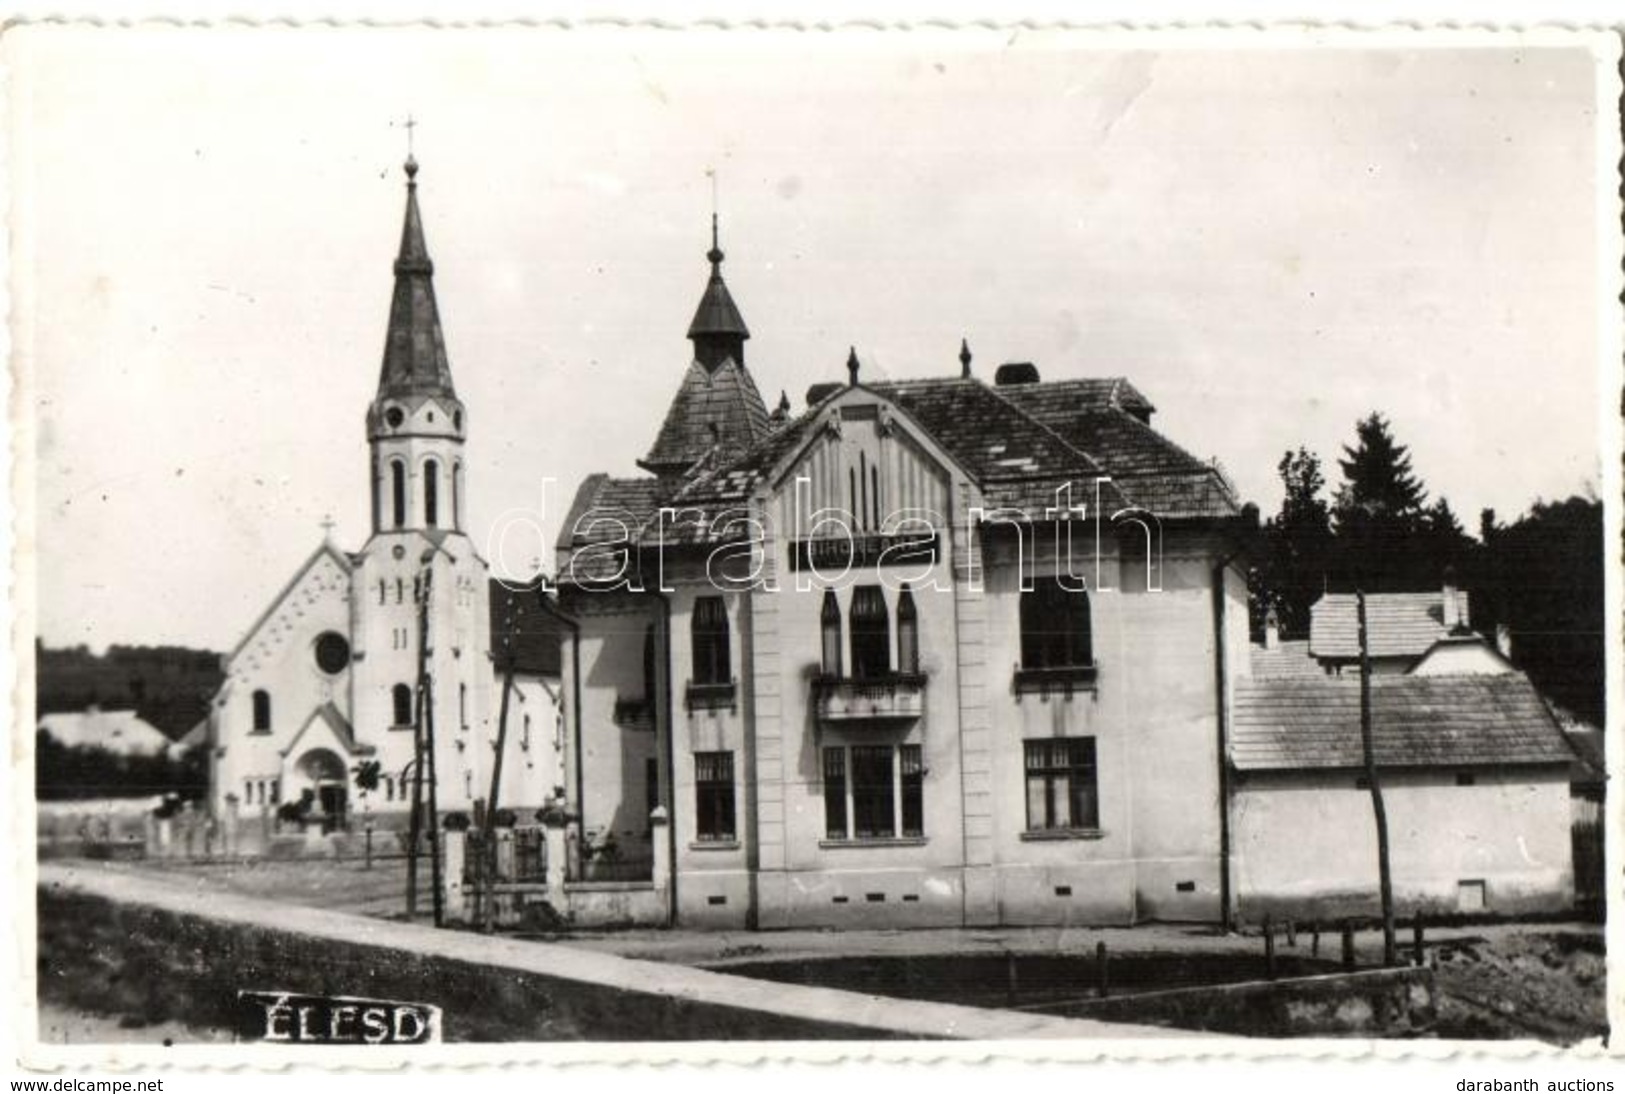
{"type": "Point", "coordinates": [431, 493]}
{"type": "Point", "coordinates": [262, 711]}
{"type": "Point", "coordinates": [397, 490]}
{"type": "Point", "coordinates": [457, 501]}
{"type": "Point", "coordinates": [402, 695]}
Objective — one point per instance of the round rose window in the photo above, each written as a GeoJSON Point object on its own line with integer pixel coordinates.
{"type": "Point", "coordinates": [332, 652]}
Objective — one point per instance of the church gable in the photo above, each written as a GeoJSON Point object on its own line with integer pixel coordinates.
{"type": "Point", "coordinates": [315, 600]}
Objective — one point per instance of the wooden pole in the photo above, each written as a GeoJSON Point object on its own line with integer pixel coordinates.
{"type": "Point", "coordinates": [1416, 940]}
{"type": "Point", "coordinates": [1314, 940]}
{"type": "Point", "coordinates": [1348, 944]}
{"type": "Point", "coordinates": [1103, 981]}
{"type": "Point", "coordinates": [488, 845]}
{"type": "Point", "coordinates": [1384, 880]}
{"type": "Point", "coordinates": [1269, 949]}
{"type": "Point", "coordinates": [429, 760]}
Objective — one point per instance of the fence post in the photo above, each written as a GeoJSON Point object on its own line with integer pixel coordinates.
{"type": "Point", "coordinates": [1416, 939]}
{"type": "Point", "coordinates": [454, 849]}
{"type": "Point", "coordinates": [553, 825]}
{"type": "Point", "coordinates": [1291, 934]}
{"type": "Point", "coordinates": [662, 849]}
{"type": "Point", "coordinates": [1103, 982]}
{"type": "Point", "coordinates": [1348, 944]}
{"type": "Point", "coordinates": [1314, 939]}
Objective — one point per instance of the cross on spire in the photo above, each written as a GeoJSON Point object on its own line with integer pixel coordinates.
{"type": "Point", "coordinates": [411, 124]}
{"type": "Point", "coordinates": [327, 526]}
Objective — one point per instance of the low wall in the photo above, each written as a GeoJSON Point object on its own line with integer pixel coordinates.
{"type": "Point", "coordinates": [146, 947]}
{"type": "Point", "coordinates": [1375, 1003]}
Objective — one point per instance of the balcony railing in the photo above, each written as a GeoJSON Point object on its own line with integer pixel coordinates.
{"type": "Point", "coordinates": [712, 696]}
{"type": "Point", "coordinates": [895, 697]}
{"type": "Point", "coordinates": [1064, 679]}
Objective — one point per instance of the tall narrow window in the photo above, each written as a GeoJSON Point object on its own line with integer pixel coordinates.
{"type": "Point", "coordinates": [397, 491]}
{"type": "Point", "coordinates": [835, 793]}
{"type": "Point", "coordinates": [1056, 631]}
{"type": "Point", "coordinates": [457, 501]}
{"type": "Point", "coordinates": [402, 695]}
{"type": "Point", "coordinates": [911, 766]}
{"type": "Point", "coordinates": [377, 499]}
{"type": "Point", "coordinates": [431, 493]}
{"type": "Point", "coordinates": [873, 805]}
{"type": "Point", "coordinates": [908, 632]}
{"type": "Point", "coordinates": [462, 705]}
{"type": "Point", "coordinates": [262, 711]}
{"type": "Point", "coordinates": [709, 633]}
{"type": "Point", "coordinates": [871, 633]}
{"type": "Point", "coordinates": [830, 622]}
{"type": "Point", "coordinates": [1061, 784]}
{"type": "Point", "coordinates": [714, 796]}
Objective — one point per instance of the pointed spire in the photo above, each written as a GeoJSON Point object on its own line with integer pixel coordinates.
{"type": "Point", "coordinates": [784, 401]}
{"type": "Point", "coordinates": [964, 359]}
{"type": "Point", "coordinates": [718, 330]}
{"type": "Point", "coordinates": [414, 348]}
{"type": "Point", "coordinates": [852, 365]}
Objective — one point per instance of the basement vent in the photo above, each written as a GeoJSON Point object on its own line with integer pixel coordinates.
{"type": "Point", "coordinates": [1466, 778]}
{"type": "Point", "coordinates": [911, 898]}
{"type": "Point", "coordinates": [875, 898]}
{"type": "Point", "coordinates": [1063, 890]}
{"type": "Point", "coordinates": [716, 900]}
{"type": "Point", "coordinates": [838, 900]}
{"type": "Point", "coordinates": [1185, 886]}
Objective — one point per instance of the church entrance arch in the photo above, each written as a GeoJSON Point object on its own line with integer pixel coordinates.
{"type": "Point", "coordinates": [323, 773]}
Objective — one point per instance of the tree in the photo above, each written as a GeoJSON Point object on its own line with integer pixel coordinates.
{"type": "Point", "coordinates": [1297, 542]}
{"type": "Point", "coordinates": [1378, 512]}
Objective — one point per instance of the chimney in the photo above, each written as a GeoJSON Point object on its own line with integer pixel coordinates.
{"type": "Point", "coordinates": [1451, 606]}
{"type": "Point", "coordinates": [1503, 640]}
{"type": "Point", "coordinates": [1272, 630]}
{"type": "Point", "coordinates": [1015, 372]}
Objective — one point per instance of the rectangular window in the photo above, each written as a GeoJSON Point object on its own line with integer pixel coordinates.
{"type": "Point", "coordinates": [714, 795]}
{"type": "Point", "coordinates": [1061, 785]}
{"type": "Point", "coordinates": [870, 626]}
{"type": "Point", "coordinates": [874, 792]}
{"type": "Point", "coordinates": [912, 768]}
{"type": "Point", "coordinates": [835, 793]}
{"type": "Point", "coordinates": [709, 633]}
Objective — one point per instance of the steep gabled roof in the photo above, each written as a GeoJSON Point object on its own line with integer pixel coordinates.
{"type": "Point", "coordinates": [1397, 624]}
{"type": "Point", "coordinates": [716, 412]}
{"type": "Point", "coordinates": [1417, 721]}
{"type": "Point", "coordinates": [325, 550]}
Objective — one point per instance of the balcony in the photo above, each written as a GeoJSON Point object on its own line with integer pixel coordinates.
{"type": "Point", "coordinates": [712, 696]}
{"type": "Point", "coordinates": [1064, 679]}
{"type": "Point", "coordinates": [895, 697]}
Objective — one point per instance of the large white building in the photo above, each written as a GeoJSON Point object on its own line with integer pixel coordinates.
{"type": "Point", "coordinates": [333, 673]}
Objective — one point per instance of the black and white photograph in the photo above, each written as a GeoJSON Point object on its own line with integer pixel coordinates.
{"type": "Point", "coordinates": [645, 535]}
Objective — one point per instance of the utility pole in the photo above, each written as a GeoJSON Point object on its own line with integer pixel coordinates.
{"type": "Point", "coordinates": [1384, 880]}
{"type": "Point", "coordinates": [427, 700]}
{"type": "Point", "coordinates": [415, 824]}
{"type": "Point", "coordinates": [488, 843]}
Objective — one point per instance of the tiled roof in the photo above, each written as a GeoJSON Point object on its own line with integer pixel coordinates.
{"type": "Point", "coordinates": [1397, 624]}
{"type": "Point", "coordinates": [1417, 721]}
{"type": "Point", "coordinates": [1289, 659]}
{"type": "Point", "coordinates": [717, 313]}
{"type": "Point", "coordinates": [715, 412]}
{"type": "Point", "coordinates": [1016, 458]}
{"type": "Point", "coordinates": [1105, 418]}
{"type": "Point", "coordinates": [518, 617]}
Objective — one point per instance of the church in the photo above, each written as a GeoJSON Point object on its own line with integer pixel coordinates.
{"type": "Point", "coordinates": [360, 647]}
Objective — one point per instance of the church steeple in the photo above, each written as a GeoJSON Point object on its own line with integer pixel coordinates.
{"type": "Point", "coordinates": [414, 348]}
{"type": "Point", "coordinates": [415, 426]}
{"type": "Point", "coordinates": [718, 331]}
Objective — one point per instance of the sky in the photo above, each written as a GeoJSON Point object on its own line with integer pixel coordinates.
{"type": "Point", "coordinates": [1268, 242]}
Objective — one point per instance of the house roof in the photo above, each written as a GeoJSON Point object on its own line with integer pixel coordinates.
{"type": "Point", "coordinates": [520, 622]}
{"type": "Point", "coordinates": [715, 410]}
{"type": "Point", "coordinates": [1417, 721]}
{"type": "Point", "coordinates": [1289, 659]}
{"type": "Point", "coordinates": [1008, 445]}
{"type": "Point", "coordinates": [415, 362]}
{"type": "Point", "coordinates": [1397, 624]}
{"type": "Point", "coordinates": [119, 731]}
